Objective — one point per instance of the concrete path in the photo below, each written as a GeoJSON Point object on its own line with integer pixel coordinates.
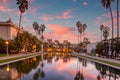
{"type": "Point", "coordinates": [16, 56]}
{"type": "Point", "coordinates": [28, 55]}
{"type": "Point", "coordinates": [99, 58]}
{"type": "Point", "coordinates": [105, 59]}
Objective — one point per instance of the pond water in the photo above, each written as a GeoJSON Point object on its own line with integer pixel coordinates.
{"type": "Point", "coordinates": [59, 66]}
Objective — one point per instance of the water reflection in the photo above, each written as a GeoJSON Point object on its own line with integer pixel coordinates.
{"type": "Point", "coordinates": [39, 72]}
{"type": "Point", "coordinates": [106, 72]}
{"type": "Point", "coordinates": [79, 71]}
{"type": "Point", "coordinates": [57, 66]}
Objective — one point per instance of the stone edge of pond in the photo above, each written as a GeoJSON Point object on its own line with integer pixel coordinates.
{"type": "Point", "coordinates": [25, 57]}
{"type": "Point", "coordinates": [90, 58]}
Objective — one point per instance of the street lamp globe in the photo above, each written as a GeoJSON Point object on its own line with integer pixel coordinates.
{"type": "Point", "coordinates": [7, 42]}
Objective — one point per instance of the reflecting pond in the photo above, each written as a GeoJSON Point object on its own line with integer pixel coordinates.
{"type": "Point", "coordinates": [59, 66]}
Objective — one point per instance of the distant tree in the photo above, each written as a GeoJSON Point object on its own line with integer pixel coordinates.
{"type": "Point", "coordinates": [2, 46]}
{"type": "Point", "coordinates": [100, 48]}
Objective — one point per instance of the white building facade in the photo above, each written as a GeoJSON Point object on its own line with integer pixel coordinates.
{"type": "Point", "coordinates": [91, 46]}
{"type": "Point", "coordinates": [8, 30]}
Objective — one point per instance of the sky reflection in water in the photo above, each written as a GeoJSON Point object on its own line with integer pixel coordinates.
{"type": "Point", "coordinates": [60, 67]}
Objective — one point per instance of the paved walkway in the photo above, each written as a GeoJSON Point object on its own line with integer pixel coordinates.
{"type": "Point", "coordinates": [16, 56]}
{"type": "Point", "coordinates": [105, 59]}
{"type": "Point", "coordinates": [100, 58]}
{"type": "Point", "coordinates": [29, 55]}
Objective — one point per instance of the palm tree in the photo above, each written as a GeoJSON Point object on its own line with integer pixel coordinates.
{"type": "Point", "coordinates": [84, 27]}
{"type": "Point", "coordinates": [105, 35]}
{"type": "Point", "coordinates": [22, 5]}
{"type": "Point", "coordinates": [41, 29]}
{"type": "Point", "coordinates": [101, 28]}
{"type": "Point", "coordinates": [107, 5]}
{"type": "Point", "coordinates": [106, 32]}
{"type": "Point", "coordinates": [35, 27]}
{"type": "Point", "coordinates": [80, 29]}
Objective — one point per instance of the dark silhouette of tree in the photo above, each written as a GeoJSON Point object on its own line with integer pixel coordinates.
{"type": "Point", "coordinates": [22, 5]}
{"type": "Point", "coordinates": [107, 5]}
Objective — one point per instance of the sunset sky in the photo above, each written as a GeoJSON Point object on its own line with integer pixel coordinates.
{"type": "Point", "coordinates": [60, 17]}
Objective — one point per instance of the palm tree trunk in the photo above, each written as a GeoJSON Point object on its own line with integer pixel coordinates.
{"type": "Point", "coordinates": [19, 25]}
{"type": "Point", "coordinates": [101, 35]}
{"type": "Point", "coordinates": [117, 26]}
{"type": "Point", "coordinates": [118, 19]}
{"type": "Point", "coordinates": [78, 38]}
{"type": "Point", "coordinates": [112, 30]}
{"type": "Point", "coordinates": [112, 22]}
{"type": "Point", "coordinates": [83, 35]}
{"type": "Point", "coordinates": [42, 43]}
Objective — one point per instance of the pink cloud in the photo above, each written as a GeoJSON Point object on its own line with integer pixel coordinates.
{"type": "Point", "coordinates": [25, 19]}
{"type": "Point", "coordinates": [85, 3]}
{"type": "Point", "coordinates": [105, 19]}
{"type": "Point", "coordinates": [74, 0]}
{"type": "Point", "coordinates": [5, 9]}
{"type": "Point", "coordinates": [29, 29]}
{"type": "Point", "coordinates": [58, 28]}
{"type": "Point", "coordinates": [3, 2]}
{"type": "Point", "coordinates": [65, 15]}
{"type": "Point", "coordinates": [61, 32]}
{"type": "Point", "coordinates": [92, 37]}
{"type": "Point", "coordinates": [32, 10]}
{"type": "Point", "coordinates": [30, 1]}
{"type": "Point", "coordinates": [46, 17]}
{"type": "Point", "coordinates": [90, 34]}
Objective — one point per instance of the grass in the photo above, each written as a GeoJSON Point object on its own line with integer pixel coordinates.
{"type": "Point", "coordinates": [2, 55]}
{"type": "Point", "coordinates": [103, 61]}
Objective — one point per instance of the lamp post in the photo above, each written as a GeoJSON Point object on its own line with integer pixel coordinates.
{"type": "Point", "coordinates": [7, 43]}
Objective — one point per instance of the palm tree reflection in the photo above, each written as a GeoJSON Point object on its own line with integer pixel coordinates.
{"type": "Point", "coordinates": [79, 74]}
{"type": "Point", "coordinates": [39, 73]}
{"type": "Point", "coordinates": [106, 72]}
{"type": "Point", "coordinates": [98, 77]}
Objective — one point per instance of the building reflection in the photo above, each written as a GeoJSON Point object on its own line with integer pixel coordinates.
{"type": "Point", "coordinates": [8, 73]}
{"type": "Point", "coordinates": [17, 70]}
